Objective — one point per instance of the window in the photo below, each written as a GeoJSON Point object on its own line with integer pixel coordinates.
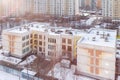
{"type": "Point", "coordinates": [50, 53]}
{"type": "Point", "coordinates": [31, 46]}
{"type": "Point", "coordinates": [69, 48]}
{"type": "Point", "coordinates": [35, 42]}
{"type": "Point", "coordinates": [51, 47]}
{"type": "Point", "coordinates": [63, 47]}
{"type": "Point", "coordinates": [27, 43]}
{"type": "Point", "coordinates": [43, 49]}
{"type": "Point", "coordinates": [23, 38]}
{"type": "Point", "coordinates": [31, 35]}
{"type": "Point", "coordinates": [69, 41]}
{"type": "Point", "coordinates": [35, 36]}
{"type": "Point", "coordinates": [44, 37]}
{"type": "Point", "coordinates": [40, 49]}
{"type": "Point", "coordinates": [40, 36]}
{"type": "Point", "coordinates": [27, 49]}
{"type": "Point", "coordinates": [51, 40]}
{"type": "Point", "coordinates": [40, 42]}
{"type": "Point", "coordinates": [63, 40]}
{"type": "Point", "coordinates": [23, 51]}
{"type": "Point", "coordinates": [27, 37]}
{"type": "Point", "coordinates": [23, 45]}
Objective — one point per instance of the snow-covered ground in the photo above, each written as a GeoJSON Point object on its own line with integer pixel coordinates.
{"type": "Point", "coordinates": [90, 21]}
{"type": "Point", "coordinates": [66, 73]}
{"type": "Point", "coordinates": [118, 78]}
{"type": "Point", "coordinates": [6, 76]}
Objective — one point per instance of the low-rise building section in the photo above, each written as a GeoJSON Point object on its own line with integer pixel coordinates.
{"type": "Point", "coordinates": [41, 38]}
{"type": "Point", "coordinates": [96, 52]}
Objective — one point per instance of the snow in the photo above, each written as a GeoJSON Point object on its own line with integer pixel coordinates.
{"type": "Point", "coordinates": [12, 60]}
{"type": "Point", "coordinates": [28, 71]}
{"type": "Point", "coordinates": [28, 60]}
{"type": "Point", "coordinates": [45, 28]}
{"type": "Point", "coordinates": [65, 63]}
{"type": "Point", "coordinates": [118, 78]}
{"type": "Point", "coordinates": [97, 26]}
{"type": "Point", "coordinates": [67, 74]}
{"type": "Point", "coordinates": [118, 43]}
{"type": "Point", "coordinates": [118, 53]}
{"type": "Point", "coordinates": [98, 40]}
{"type": "Point", "coordinates": [90, 21]}
{"type": "Point", "coordinates": [18, 30]}
{"type": "Point", "coordinates": [6, 76]}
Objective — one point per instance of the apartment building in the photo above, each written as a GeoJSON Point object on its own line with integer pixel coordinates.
{"type": "Point", "coordinates": [1, 8]}
{"type": "Point", "coordinates": [99, 4]}
{"type": "Point", "coordinates": [107, 8]}
{"type": "Point", "coordinates": [90, 4]}
{"type": "Point", "coordinates": [49, 7]}
{"type": "Point", "coordinates": [96, 54]}
{"type": "Point", "coordinates": [28, 6]}
{"type": "Point", "coordinates": [116, 9]}
{"type": "Point", "coordinates": [43, 39]}
{"type": "Point", "coordinates": [110, 9]}
{"type": "Point", "coordinates": [56, 7]}
{"type": "Point", "coordinates": [12, 7]}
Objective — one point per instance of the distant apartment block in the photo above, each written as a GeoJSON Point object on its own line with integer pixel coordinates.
{"type": "Point", "coordinates": [45, 7]}
{"type": "Point", "coordinates": [96, 54]}
{"type": "Point", "coordinates": [111, 9]}
{"type": "Point", "coordinates": [90, 4]}
{"type": "Point", "coordinates": [56, 7]}
{"type": "Point", "coordinates": [12, 7]}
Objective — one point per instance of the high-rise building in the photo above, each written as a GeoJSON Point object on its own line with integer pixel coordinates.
{"type": "Point", "coordinates": [0, 7]}
{"type": "Point", "coordinates": [99, 4]}
{"type": "Point", "coordinates": [50, 7]}
{"type": "Point", "coordinates": [107, 8]}
{"type": "Point", "coordinates": [12, 7]}
{"type": "Point", "coordinates": [111, 9]}
{"type": "Point", "coordinates": [56, 7]}
{"type": "Point", "coordinates": [28, 6]}
{"type": "Point", "coordinates": [90, 4]}
{"type": "Point", "coordinates": [116, 9]}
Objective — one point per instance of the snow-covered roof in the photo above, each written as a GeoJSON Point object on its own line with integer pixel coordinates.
{"type": "Point", "coordinates": [29, 72]}
{"type": "Point", "coordinates": [8, 59]}
{"type": "Point", "coordinates": [90, 21]}
{"type": "Point", "coordinates": [28, 60]}
{"type": "Point", "coordinates": [18, 30]}
{"type": "Point", "coordinates": [67, 74]}
{"type": "Point", "coordinates": [46, 28]}
{"type": "Point", "coordinates": [100, 37]}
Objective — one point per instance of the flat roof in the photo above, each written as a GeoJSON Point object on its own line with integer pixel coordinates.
{"type": "Point", "coordinates": [100, 37]}
{"type": "Point", "coordinates": [33, 73]}
{"type": "Point", "coordinates": [18, 30]}
{"type": "Point", "coordinates": [46, 28]}
{"type": "Point", "coordinates": [9, 59]}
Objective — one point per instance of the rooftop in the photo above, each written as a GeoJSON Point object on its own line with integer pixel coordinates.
{"type": "Point", "coordinates": [100, 37]}
{"type": "Point", "coordinates": [46, 28]}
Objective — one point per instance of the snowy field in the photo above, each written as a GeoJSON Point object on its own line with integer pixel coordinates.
{"type": "Point", "coordinates": [65, 73]}
{"type": "Point", "coordinates": [6, 76]}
